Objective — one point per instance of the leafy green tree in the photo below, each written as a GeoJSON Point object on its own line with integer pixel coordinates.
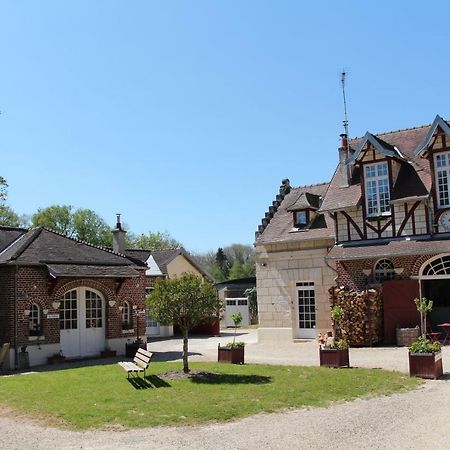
{"type": "Point", "coordinates": [222, 263]}
{"type": "Point", "coordinates": [83, 224]}
{"type": "Point", "coordinates": [152, 241]}
{"type": "Point", "coordinates": [185, 301]}
{"type": "Point", "coordinates": [3, 189]}
{"type": "Point", "coordinates": [10, 218]}
{"type": "Point", "coordinates": [252, 304]}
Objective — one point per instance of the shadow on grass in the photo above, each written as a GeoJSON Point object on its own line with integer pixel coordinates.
{"type": "Point", "coordinates": [149, 382]}
{"type": "Point", "coordinates": [171, 356]}
{"type": "Point", "coordinates": [225, 378]}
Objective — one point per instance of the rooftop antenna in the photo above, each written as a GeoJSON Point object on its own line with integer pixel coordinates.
{"type": "Point", "coordinates": [345, 121]}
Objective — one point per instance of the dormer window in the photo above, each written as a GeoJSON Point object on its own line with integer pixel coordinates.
{"type": "Point", "coordinates": [377, 189]}
{"type": "Point", "coordinates": [300, 219]}
{"type": "Point", "coordinates": [442, 164]}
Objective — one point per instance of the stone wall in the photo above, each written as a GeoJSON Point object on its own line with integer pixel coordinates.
{"type": "Point", "coordinates": [278, 268]}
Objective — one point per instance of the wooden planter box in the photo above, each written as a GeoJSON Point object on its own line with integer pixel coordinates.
{"type": "Point", "coordinates": [333, 357]}
{"type": "Point", "coordinates": [108, 353]}
{"type": "Point", "coordinates": [425, 365]}
{"type": "Point", "coordinates": [230, 355]}
{"type": "Point", "coordinates": [55, 359]}
{"type": "Point", "coordinates": [132, 348]}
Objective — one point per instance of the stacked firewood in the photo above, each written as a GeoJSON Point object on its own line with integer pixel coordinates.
{"type": "Point", "coordinates": [362, 315]}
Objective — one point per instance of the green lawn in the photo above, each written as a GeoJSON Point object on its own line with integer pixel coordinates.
{"type": "Point", "coordinates": [101, 396]}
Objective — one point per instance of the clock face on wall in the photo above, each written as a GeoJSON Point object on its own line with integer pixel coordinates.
{"type": "Point", "coordinates": [444, 220]}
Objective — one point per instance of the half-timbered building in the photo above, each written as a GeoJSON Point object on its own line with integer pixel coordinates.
{"type": "Point", "coordinates": [389, 205]}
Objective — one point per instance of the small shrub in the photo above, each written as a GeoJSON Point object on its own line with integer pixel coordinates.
{"type": "Point", "coordinates": [423, 345]}
{"type": "Point", "coordinates": [235, 345]}
{"type": "Point", "coordinates": [340, 344]}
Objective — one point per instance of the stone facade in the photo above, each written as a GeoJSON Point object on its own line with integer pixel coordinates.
{"type": "Point", "coordinates": [279, 267]}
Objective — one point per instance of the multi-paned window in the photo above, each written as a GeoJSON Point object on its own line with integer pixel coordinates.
{"type": "Point", "coordinates": [93, 310]}
{"type": "Point", "coordinates": [35, 320]}
{"type": "Point", "coordinates": [377, 189]}
{"type": "Point", "coordinates": [127, 321]}
{"type": "Point", "coordinates": [442, 165]}
{"type": "Point", "coordinates": [384, 270]}
{"type": "Point", "coordinates": [306, 304]}
{"type": "Point", "coordinates": [68, 311]}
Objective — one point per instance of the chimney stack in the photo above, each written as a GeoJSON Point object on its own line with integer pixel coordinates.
{"type": "Point", "coordinates": [119, 237]}
{"type": "Point", "coordinates": [344, 168]}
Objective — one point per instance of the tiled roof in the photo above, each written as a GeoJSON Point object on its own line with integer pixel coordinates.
{"type": "Point", "coordinates": [280, 227]}
{"type": "Point", "coordinates": [402, 247]}
{"type": "Point", "coordinates": [305, 200]}
{"type": "Point", "coordinates": [412, 182]}
{"type": "Point", "coordinates": [46, 247]}
{"type": "Point", "coordinates": [8, 235]}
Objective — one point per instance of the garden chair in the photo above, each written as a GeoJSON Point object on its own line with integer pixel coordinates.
{"type": "Point", "coordinates": [433, 336]}
{"type": "Point", "coordinates": [4, 353]}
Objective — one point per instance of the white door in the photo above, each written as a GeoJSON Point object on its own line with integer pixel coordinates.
{"type": "Point", "coordinates": [82, 323]}
{"type": "Point", "coordinates": [306, 309]}
{"type": "Point", "coordinates": [234, 305]}
{"type": "Point", "coordinates": [152, 328]}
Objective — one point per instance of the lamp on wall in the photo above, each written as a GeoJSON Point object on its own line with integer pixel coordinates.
{"type": "Point", "coordinates": [56, 304]}
{"type": "Point", "coordinates": [26, 312]}
{"type": "Point", "coordinates": [134, 307]}
{"type": "Point", "coordinates": [45, 311]}
{"type": "Point", "coordinates": [112, 303]}
{"type": "Point", "coordinates": [120, 308]}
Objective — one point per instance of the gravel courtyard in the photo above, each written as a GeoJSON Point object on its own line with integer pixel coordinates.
{"type": "Point", "coordinates": [414, 420]}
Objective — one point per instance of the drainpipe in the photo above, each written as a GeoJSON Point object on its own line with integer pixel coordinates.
{"type": "Point", "coordinates": [16, 326]}
{"type": "Point", "coordinates": [430, 216]}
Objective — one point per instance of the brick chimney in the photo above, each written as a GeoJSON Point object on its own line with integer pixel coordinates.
{"type": "Point", "coordinates": [119, 237]}
{"type": "Point", "coordinates": [344, 168]}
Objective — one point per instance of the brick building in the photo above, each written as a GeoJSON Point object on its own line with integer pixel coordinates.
{"type": "Point", "coordinates": [383, 222]}
{"type": "Point", "coordinates": [61, 295]}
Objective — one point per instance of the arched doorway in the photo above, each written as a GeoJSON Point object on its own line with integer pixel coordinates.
{"type": "Point", "coordinates": [434, 276]}
{"type": "Point", "coordinates": [82, 322]}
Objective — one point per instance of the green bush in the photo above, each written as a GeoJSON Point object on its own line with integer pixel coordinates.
{"type": "Point", "coordinates": [235, 344]}
{"type": "Point", "coordinates": [340, 344]}
{"type": "Point", "coordinates": [423, 345]}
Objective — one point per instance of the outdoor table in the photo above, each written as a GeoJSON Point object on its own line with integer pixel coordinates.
{"type": "Point", "coordinates": [446, 329]}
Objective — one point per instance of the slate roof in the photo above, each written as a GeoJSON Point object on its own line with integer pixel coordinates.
{"type": "Point", "coordinates": [399, 247]}
{"type": "Point", "coordinates": [8, 235]}
{"type": "Point", "coordinates": [414, 177]}
{"type": "Point", "coordinates": [280, 227]}
{"type": "Point", "coordinates": [305, 200]}
{"type": "Point", "coordinates": [163, 257]}
{"type": "Point", "coordinates": [64, 256]}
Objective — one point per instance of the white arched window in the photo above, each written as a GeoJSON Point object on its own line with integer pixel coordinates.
{"type": "Point", "coordinates": [438, 267]}
{"type": "Point", "coordinates": [127, 318]}
{"type": "Point", "coordinates": [383, 270]}
{"type": "Point", "coordinates": [35, 320]}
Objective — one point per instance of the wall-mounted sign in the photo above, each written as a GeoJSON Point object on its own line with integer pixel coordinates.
{"type": "Point", "coordinates": [53, 316]}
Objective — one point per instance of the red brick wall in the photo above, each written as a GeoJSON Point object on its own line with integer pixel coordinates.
{"type": "Point", "coordinates": [351, 275]}
{"type": "Point", "coordinates": [35, 286]}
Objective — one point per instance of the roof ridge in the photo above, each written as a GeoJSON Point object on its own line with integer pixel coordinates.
{"type": "Point", "coordinates": [98, 247]}
{"type": "Point", "coordinates": [393, 131]}
{"type": "Point", "coordinates": [35, 232]}
{"type": "Point", "coordinates": [311, 185]}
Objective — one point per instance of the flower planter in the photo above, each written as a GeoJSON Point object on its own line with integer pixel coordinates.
{"type": "Point", "coordinates": [55, 359]}
{"type": "Point", "coordinates": [425, 365]}
{"type": "Point", "coordinates": [331, 357]}
{"type": "Point", "coordinates": [230, 355]}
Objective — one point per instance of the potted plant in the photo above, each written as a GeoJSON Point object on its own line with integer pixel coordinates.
{"type": "Point", "coordinates": [425, 357]}
{"type": "Point", "coordinates": [56, 358]}
{"type": "Point", "coordinates": [233, 352]}
{"type": "Point", "coordinates": [334, 352]}
{"type": "Point", "coordinates": [108, 353]}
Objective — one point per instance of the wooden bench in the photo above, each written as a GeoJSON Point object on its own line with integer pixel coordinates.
{"type": "Point", "coordinates": [140, 362]}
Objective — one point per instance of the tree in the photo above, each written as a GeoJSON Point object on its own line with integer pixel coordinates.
{"type": "Point", "coordinates": [82, 224]}
{"type": "Point", "coordinates": [8, 217]}
{"type": "Point", "coordinates": [252, 304]}
{"type": "Point", "coordinates": [152, 241]}
{"type": "Point", "coordinates": [185, 301]}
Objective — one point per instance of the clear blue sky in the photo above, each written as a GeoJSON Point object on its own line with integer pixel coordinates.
{"type": "Point", "coordinates": [185, 115]}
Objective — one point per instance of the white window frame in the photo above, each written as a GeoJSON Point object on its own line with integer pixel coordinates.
{"type": "Point", "coordinates": [442, 174]}
{"type": "Point", "coordinates": [35, 318]}
{"type": "Point", "coordinates": [383, 270]}
{"type": "Point", "coordinates": [126, 314]}
{"type": "Point", "coordinates": [377, 209]}
{"type": "Point", "coordinates": [309, 301]}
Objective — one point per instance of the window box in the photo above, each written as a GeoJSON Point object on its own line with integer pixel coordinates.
{"type": "Point", "coordinates": [331, 357]}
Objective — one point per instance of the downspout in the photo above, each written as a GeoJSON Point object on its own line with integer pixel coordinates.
{"type": "Point", "coordinates": [16, 326]}
{"type": "Point", "coordinates": [430, 216]}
